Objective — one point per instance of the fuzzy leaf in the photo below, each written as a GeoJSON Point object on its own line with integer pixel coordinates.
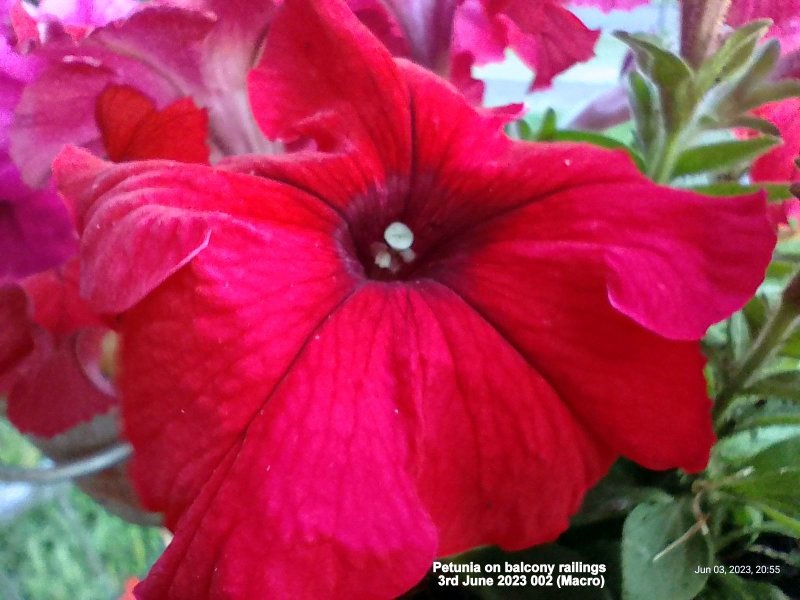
{"type": "Point", "coordinates": [648, 530]}
{"type": "Point", "coordinates": [722, 156]}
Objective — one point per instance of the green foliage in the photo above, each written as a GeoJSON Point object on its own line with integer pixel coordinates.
{"type": "Point", "coordinates": [722, 156]}
{"type": "Point", "coordinates": [659, 558]}
{"type": "Point", "coordinates": [674, 105]}
{"type": "Point", "coordinates": [731, 587]}
{"type": "Point", "coordinates": [67, 547]}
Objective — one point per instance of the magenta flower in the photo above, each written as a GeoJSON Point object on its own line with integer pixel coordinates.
{"type": "Point", "coordinates": [449, 36]}
{"type": "Point", "coordinates": [418, 338]}
{"type": "Point", "coordinates": [36, 232]}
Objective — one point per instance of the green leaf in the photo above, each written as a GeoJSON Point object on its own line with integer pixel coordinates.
{"type": "Point", "coordinates": [673, 78]}
{"type": "Point", "coordinates": [642, 101]}
{"type": "Point", "coordinates": [771, 479]}
{"type": "Point", "coordinates": [663, 67]}
{"type": "Point", "coordinates": [722, 156]}
{"type": "Point", "coordinates": [648, 531]}
{"type": "Point", "coordinates": [738, 449]}
{"type": "Point", "coordinates": [770, 92]}
{"type": "Point", "coordinates": [596, 139]}
{"type": "Point", "coordinates": [731, 587]}
{"type": "Point", "coordinates": [549, 126]}
{"type": "Point", "coordinates": [731, 188]}
{"type": "Point", "coordinates": [732, 55]}
{"type": "Point", "coordinates": [782, 384]}
{"type": "Point", "coordinates": [615, 496]}
{"type": "Point", "coordinates": [756, 124]}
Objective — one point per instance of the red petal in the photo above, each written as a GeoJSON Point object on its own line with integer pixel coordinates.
{"type": "Point", "coordinates": [325, 77]}
{"type": "Point", "coordinates": [275, 234]}
{"type": "Point", "coordinates": [536, 31]}
{"type": "Point", "coordinates": [778, 164]}
{"type": "Point", "coordinates": [667, 267]}
{"type": "Point", "coordinates": [119, 111]}
{"type": "Point", "coordinates": [16, 341]}
{"type": "Point", "coordinates": [320, 476]}
{"type": "Point", "coordinates": [607, 5]}
{"type": "Point", "coordinates": [494, 432]}
{"type": "Point", "coordinates": [539, 38]}
{"type": "Point", "coordinates": [57, 391]}
{"type": "Point", "coordinates": [785, 15]}
{"type": "Point", "coordinates": [157, 49]}
{"type": "Point", "coordinates": [676, 262]}
{"type": "Point", "coordinates": [57, 304]}
{"type": "Point", "coordinates": [642, 395]}
{"type": "Point", "coordinates": [377, 16]}
{"type": "Point", "coordinates": [133, 129]}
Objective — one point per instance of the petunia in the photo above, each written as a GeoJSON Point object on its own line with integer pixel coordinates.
{"type": "Point", "coordinates": [85, 13]}
{"type": "Point", "coordinates": [449, 36]}
{"type": "Point", "coordinates": [52, 372]}
{"type": "Point", "coordinates": [418, 338]}
{"type": "Point", "coordinates": [36, 232]}
{"type": "Point", "coordinates": [785, 15]}
{"type": "Point", "coordinates": [778, 165]}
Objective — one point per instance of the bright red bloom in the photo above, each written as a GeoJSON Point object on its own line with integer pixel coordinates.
{"type": "Point", "coordinates": [321, 404]}
{"type": "Point", "coordinates": [778, 165]}
{"type": "Point", "coordinates": [449, 36]}
{"type": "Point", "coordinates": [785, 15]}
{"type": "Point", "coordinates": [133, 129]}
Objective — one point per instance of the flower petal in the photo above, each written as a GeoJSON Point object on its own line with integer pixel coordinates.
{"type": "Point", "coordinates": [36, 232]}
{"type": "Point", "coordinates": [16, 341]}
{"type": "Point", "coordinates": [641, 394]}
{"type": "Point", "coordinates": [677, 262]}
{"type": "Point", "coordinates": [87, 12]}
{"type": "Point", "coordinates": [298, 91]}
{"type": "Point", "coordinates": [133, 129]}
{"type": "Point", "coordinates": [667, 266]}
{"type": "Point", "coordinates": [320, 476]}
{"type": "Point", "coordinates": [785, 15]}
{"type": "Point", "coordinates": [534, 30]}
{"type": "Point", "coordinates": [56, 391]}
{"type": "Point", "coordinates": [272, 245]}
{"type": "Point", "coordinates": [157, 49]}
{"type": "Point", "coordinates": [494, 432]}
{"type": "Point", "coordinates": [779, 163]}
{"type": "Point", "coordinates": [608, 5]}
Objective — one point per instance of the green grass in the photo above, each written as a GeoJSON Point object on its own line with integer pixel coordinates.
{"type": "Point", "coordinates": [68, 547]}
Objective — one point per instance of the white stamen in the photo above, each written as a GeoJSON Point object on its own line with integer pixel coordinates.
{"type": "Point", "coordinates": [383, 259]}
{"type": "Point", "coordinates": [398, 236]}
{"type": "Point", "coordinates": [408, 256]}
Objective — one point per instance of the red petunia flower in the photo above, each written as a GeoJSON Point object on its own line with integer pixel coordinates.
{"type": "Point", "coordinates": [418, 338]}
{"type": "Point", "coordinates": [449, 36]}
{"type": "Point", "coordinates": [779, 164]}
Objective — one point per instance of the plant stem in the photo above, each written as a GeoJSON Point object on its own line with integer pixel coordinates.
{"type": "Point", "coordinates": [93, 463]}
{"type": "Point", "coordinates": [768, 340]}
{"type": "Point", "coordinates": [664, 161]}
